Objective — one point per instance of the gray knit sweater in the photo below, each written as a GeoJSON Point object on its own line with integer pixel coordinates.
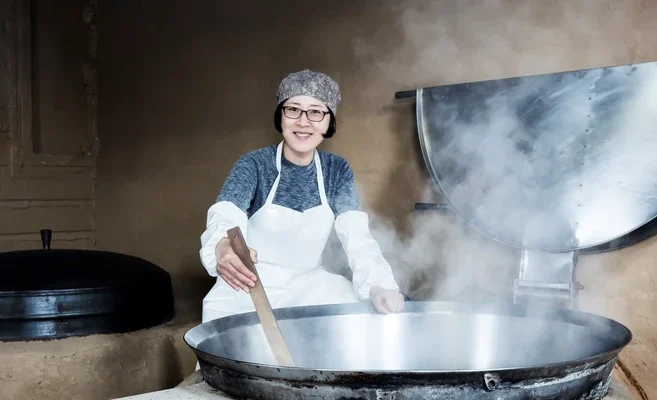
{"type": "Point", "coordinates": [254, 173]}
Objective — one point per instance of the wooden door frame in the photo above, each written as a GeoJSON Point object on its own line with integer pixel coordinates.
{"type": "Point", "coordinates": [22, 146]}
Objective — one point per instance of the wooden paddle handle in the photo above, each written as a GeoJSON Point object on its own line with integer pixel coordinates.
{"type": "Point", "coordinates": [260, 301]}
{"type": "Point", "coordinates": [240, 248]}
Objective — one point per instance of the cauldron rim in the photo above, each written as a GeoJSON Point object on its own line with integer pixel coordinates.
{"type": "Point", "coordinates": [294, 373]}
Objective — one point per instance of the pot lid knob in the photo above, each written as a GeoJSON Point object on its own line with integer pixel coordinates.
{"type": "Point", "coordinates": [46, 236]}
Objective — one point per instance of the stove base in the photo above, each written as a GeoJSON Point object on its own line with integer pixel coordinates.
{"type": "Point", "coordinates": [618, 390]}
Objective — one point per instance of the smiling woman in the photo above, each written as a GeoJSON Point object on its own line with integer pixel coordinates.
{"type": "Point", "coordinates": [302, 135]}
{"type": "Point", "coordinates": [287, 198]}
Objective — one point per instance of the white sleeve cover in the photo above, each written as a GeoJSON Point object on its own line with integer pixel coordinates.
{"type": "Point", "coordinates": [363, 253]}
{"type": "Point", "coordinates": [222, 216]}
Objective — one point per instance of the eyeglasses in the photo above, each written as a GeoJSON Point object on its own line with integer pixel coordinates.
{"type": "Point", "coordinates": [312, 115]}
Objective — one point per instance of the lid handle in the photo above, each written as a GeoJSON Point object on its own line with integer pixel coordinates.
{"type": "Point", "coordinates": [46, 236]}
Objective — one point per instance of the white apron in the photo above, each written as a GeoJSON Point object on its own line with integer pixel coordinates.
{"type": "Point", "coordinates": [290, 246]}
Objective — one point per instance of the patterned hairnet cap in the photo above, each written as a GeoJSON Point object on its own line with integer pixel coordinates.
{"type": "Point", "coordinates": [310, 83]}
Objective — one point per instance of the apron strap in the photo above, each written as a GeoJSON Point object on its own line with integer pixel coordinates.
{"type": "Point", "coordinates": [320, 179]}
{"type": "Point", "coordinates": [272, 192]}
{"type": "Point", "coordinates": [279, 153]}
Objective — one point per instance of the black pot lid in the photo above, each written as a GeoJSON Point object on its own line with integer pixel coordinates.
{"type": "Point", "coordinates": [63, 269]}
{"type": "Point", "coordinates": [48, 294]}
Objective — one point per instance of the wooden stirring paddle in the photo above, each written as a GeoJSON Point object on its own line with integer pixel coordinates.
{"type": "Point", "coordinates": [261, 302]}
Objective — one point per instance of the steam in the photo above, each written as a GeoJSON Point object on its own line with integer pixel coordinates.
{"type": "Point", "coordinates": [546, 163]}
{"type": "Point", "coordinates": [509, 163]}
{"type": "Point", "coordinates": [444, 259]}
{"type": "Point", "coordinates": [437, 42]}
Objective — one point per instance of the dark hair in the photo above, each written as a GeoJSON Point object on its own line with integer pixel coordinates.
{"type": "Point", "coordinates": [278, 115]}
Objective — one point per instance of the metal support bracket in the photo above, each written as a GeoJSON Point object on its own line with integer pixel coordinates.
{"type": "Point", "coordinates": [547, 278]}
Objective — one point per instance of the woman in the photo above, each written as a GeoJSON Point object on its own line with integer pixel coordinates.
{"type": "Point", "coordinates": [286, 198]}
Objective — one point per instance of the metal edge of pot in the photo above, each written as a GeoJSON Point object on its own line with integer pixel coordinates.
{"type": "Point", "coordinates": [621, 335]}
{"type": "Point", "coordinates": [591, 382]}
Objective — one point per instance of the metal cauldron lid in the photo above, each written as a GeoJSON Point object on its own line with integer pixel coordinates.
{"type": "Point", "coordinates": [56, 293]}
{"type": "Point", "coordinates": [553, 162]}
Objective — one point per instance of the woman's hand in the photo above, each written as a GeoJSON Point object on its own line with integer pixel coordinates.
{"type": "Point", "coordinates": [231, 268]}
{"type": "Point", "coordinates": [386, 300]}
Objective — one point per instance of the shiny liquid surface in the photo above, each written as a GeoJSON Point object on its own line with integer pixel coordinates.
{"type": "Point", "coordinates": [415, 341]}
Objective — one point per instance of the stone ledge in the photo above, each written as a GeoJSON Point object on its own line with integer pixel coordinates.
{"type": "Point", "coordinates": [96, 366]}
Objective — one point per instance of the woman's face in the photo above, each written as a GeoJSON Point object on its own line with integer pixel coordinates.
{"type": "Point", "coordinates": [303, 131]}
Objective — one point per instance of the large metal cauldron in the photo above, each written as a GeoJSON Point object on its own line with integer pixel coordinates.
{"type": "Point", "coordinates": [433, 350]}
